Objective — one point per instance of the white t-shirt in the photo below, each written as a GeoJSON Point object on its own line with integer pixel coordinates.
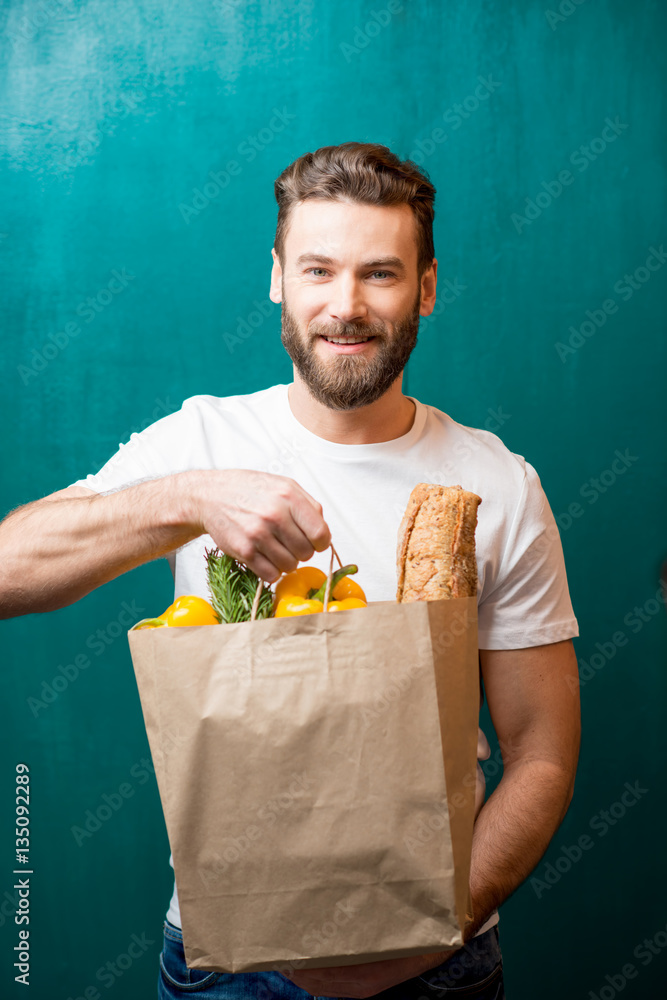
{"type": "Point", "coordinates": [523, 597]}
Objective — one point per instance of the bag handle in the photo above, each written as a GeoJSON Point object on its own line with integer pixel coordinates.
{"type": "Point", "coordinates": [260, 585]}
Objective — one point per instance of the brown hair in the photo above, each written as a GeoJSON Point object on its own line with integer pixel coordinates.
{"type": "Point", "coordinates": [361, 171]}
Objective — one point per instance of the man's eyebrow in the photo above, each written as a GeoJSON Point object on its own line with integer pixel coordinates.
{"type": "Point", "coordinates": [366, 265]}
{"type": "Point", "coordinates": [394, 262]}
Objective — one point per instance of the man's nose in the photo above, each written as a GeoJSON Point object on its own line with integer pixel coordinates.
{"type": "Point", "coordinates": [347, 302]}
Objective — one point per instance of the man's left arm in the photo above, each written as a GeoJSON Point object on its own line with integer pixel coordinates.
{"type": "Point", "coordinates": [533, 698]}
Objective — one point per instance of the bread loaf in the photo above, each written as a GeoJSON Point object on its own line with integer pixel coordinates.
{"type": "Point", "coordinates": [435, 556]}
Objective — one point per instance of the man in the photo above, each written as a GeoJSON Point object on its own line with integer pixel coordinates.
{"type": "Point", "coordinates": [272, 476]}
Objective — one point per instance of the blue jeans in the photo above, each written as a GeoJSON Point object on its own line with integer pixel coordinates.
{"type": "Point", "coordinates": [475, 971]}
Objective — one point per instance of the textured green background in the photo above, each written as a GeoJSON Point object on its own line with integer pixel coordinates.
{"type": "Point", "coordinates": [112, 115]}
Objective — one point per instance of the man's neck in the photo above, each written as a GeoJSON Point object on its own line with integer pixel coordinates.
{"type": "Point", "coordinates": [389, 417]}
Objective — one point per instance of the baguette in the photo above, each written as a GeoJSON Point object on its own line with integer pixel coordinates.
{"type": "Point", "coordinates": [435, 556]}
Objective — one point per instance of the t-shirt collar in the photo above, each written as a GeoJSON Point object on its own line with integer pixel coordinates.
{"type": "Point", "coordinates": [350, 451]}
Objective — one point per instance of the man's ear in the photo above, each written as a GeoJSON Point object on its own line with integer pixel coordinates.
{"type": "Point", "coordinates": [275, 293]}
{"type": "Point", "coordinates": [428, 285]}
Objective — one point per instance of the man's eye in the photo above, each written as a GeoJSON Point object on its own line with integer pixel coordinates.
{"type": "Point", "coordinates": [386, 274]}
{"type": "Point", "coordinates": [322, 269]}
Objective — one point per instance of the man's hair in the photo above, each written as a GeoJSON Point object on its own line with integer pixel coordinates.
{"type": "Point", "coordinates": [365, 172]}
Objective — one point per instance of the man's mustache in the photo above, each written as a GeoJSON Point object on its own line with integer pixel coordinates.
{"type": "Point", "coordinates": [347, 330]}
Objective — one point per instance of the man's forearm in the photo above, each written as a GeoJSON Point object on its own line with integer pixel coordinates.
{"type": "Point", "coordinates": [56, 551]}
{"type": "Point", "coordinates": [513, 830]}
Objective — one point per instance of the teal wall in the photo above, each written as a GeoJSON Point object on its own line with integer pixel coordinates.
{"type": "Point", "coordinates": [113, 114]}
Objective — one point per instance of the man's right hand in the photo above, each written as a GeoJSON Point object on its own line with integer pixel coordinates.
{"type": "Point", "coordinates": [268, 522]}
{"type": "Point", "coordinates": [57, 549]}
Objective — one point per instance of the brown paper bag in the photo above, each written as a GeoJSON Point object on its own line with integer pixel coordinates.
{"type": "Point", "coordinates": [317, 776]}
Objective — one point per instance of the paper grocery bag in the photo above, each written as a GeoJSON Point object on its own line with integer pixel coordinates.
{"type": "Point", "coordinates": [317, 775]}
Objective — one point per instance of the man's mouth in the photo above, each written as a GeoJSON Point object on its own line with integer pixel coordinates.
{"type": "Point", "coordinates": [348, 340]}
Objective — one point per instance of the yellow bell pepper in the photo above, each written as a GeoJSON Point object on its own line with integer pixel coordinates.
{"type": "Point", "coordinates": [292, 604]}
{"type": "Point", "coordinates": [346, 604]}
{"type": "Point", "coordinates": [301, 592]}
{"type": "Point", "coordinates": [186, 610]}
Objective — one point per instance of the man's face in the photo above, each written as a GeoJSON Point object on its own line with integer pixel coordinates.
{"type": "Point", "coordinates": [350, 272]}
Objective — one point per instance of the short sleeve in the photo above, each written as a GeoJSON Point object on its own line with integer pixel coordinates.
{"type": "Point", "coordinates": [172, 444]}
{"type": "Point", "coordinates": [161, 449]}
{"type": "Point", "coordinates": [530, 604]}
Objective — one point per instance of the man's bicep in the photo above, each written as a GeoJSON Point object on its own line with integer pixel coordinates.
{"type": "Point", "coordinates": [533, 698]}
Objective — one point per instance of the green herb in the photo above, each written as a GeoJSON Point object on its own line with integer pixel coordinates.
{"type": "Point", "coordinates": [232, 587]}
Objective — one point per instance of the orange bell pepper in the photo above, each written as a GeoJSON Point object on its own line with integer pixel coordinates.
{"type": "Point", "coordinates": [300, 582]}
{"type": "Point", "coordinates": [346, 587]}
{"type": "Point", "coordinates": [301, 592]}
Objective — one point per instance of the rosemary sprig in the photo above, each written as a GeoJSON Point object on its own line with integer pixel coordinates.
{"type": "Point", "coordinates": [232, 587]}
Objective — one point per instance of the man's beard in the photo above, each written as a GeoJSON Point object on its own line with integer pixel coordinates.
{"type": "Point", "coordinates": [349, 381]}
